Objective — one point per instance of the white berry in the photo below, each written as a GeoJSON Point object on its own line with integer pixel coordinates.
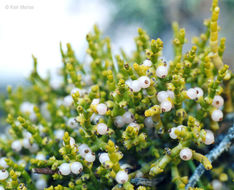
{"type": "Point", "coordinates": [218, 101]}
{"type": "Point", "coordinates": [217, 115]}
{"type": "Point", "coordinates": [147, 63]}
{"type": "Point", "coordinates": [136, 125]}
{"type": "Point", "coordinates": [162, 71]}
{"type": "Point", "coordinates": [76, 167]}
{"type": "Point", "coordinates": [3, 174]}
{"type": "Point", "coordinates": [119, 121]}
{"type": "Point", "coordinates": [101, 109]}
{"type": "Point", "coordinates": [3, 163]}
{"type": "Point", "coordinates": [95, 101]}
{"type": "Point", "coordinates": [209, 139]}
{"type": "Point", "coordinates": [83, 150]}
{"type": "Point", "coordinates": [172, 133]}
{"type": "Point", "coordinates": [135, 86]}
{"type": "Point", "coordinates": [186, 154]}
{"type": "Point", "coordinates": [16, 145]}
{"type": "Point", "coordinates": [90, 157]}
{"type": "Point", "coordinates": [171, 94]}
{"type": "Point", "coordinates": [40, 156]}
{"type": "Point", "coordinates": [144, 81]}
{"type": "Point", "coordinates": [65, 169]}
{"type": "Point", "coordinates": [104, 157]}
{"type": "Point", "coordinates": [68, 101]}
{"type": "Point", "coordinates": [102, 128]}
{"type": "Point", "coordinates": [128, 117]}
{"type": "Point", "coordinates": [216, 184]}
{"type": "Point", "coordinates": [41, 184]}
{"type": "Point", "coordinates": [34, 148]}
{"type": "Point", "coordinates": [121, 177]}
{"type": "Point", "coordinates": [191, 93]}
{"type": "Point", "coordinates": [162, 95]}
{"type": "Point", "coordinates": [59, 134]}
{"type": "Point", "coordinates": [166, 106]}
{"type": "Point", "coordinates": [149, 122]}
{"type": "Point", "coordinates": [26, 143]}
{"type": "Point", "coordinates": [199, 92]}
{"type": "Point", "coordinates": [72, 123]}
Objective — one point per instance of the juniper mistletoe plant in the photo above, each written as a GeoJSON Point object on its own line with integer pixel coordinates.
{"type": "Point", "coordinates": [123, 122]}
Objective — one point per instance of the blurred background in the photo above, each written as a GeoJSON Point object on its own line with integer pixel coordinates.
{"type": "Point", "coordinates": [37, 26]}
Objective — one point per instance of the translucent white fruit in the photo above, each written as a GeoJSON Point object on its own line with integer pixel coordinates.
{"type": "Point", "coordinates": [128, 117]}
{"type": "Point", "coordinates": [119, 121]}
{"type": "Point", "coordinates": [199, 92]}
{"type": "Point", "coordinates": [102, 128]}
{"type": "Point", "coordinates": [104, 157]}
{"type": "Point", "coordinates": [3, 174]}
{"type": "Point", "coordinates": [41, 184]}
{"type": "Point", "coordinates": [26, 143]}
{"type": "Point", "coordinates": [76, 167]}
{"type": "Point", "coordinates": [144, 81]}
{"type": "Point", "coordinates": [16, 145]}
{"type": "Point", "coordinates": [191, 93]}
{"type": "Point", "coordinates": [172, 133]}
{"type": "Point", "coordinates": [90, 157]}
{"type": "Point", "coordinates": [149, 122]}
{"type": "Point", "coordinates": [83, 149]}
{"type": "Point", "coordinates": [65, 169]}
{"type": "Point", "coordinates": [147, 63]}
{"type": "Point", "coordinates": [34, 148]}
{"type": "Point", "coordinates": [171, 94]}
{"type": "Point", "coordinates": [166, 106]}
{"type": "Point", "coordinates": [68, 101]}
{"type": "Point", "coordinates": [40, 156]}
{"type": "Point", "coordinates": [218, 101]}
{"type": "Point", "coordinates": [162, 71]}
{"type": "Point", "coordinates": [217, 115]}
{"type": "Point", "coordinates": [162, 95]}
{"type": "Point", "coordinates": [59, 134]}
{"type": "Point", "coordinates": [71, 122]}
{"type": "Point", "coordinates": [3, 163]}
{"type": "Point", "coordinates": [121, 177]}
{"type": "Point", "coordinates": [209, 137]}
{"type": "Point", "coordinates": [135, 86]}
{"type": "Point", "coordinates": [101, 109]}
{"type": "Point", "coordinates": [95, 101]}
{"type": "Point", "coordinates": [186, 154]}
{"type": "Point", "coordinates": [216, 184]}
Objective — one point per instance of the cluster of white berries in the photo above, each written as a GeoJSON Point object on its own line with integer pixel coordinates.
{"type": "Point", "coordinates": [186, 154]}
{"type": "Point", "coordinates": [86, 153]}
{"type": "Point", "coordinates": [172, 131]}
{"type": "Point", "coordinates": [17, 145]}
{"type": "Point", "coordinates": [163, 96]}
{"type": "Point", "coordinates": [68, 168]}
{"type": "Point", "coordinates": [126, 118]}
{"type": "Point", "coordinates": [101, 108]}
{"type": "Point", "coordinates": [194, 93]}
{"type": "Point", "coordinates": [102, 129]}
{"type": "Point", "coordinates": [121, 177]}
{"type": "Point", "coordinates": [217, 114]}
{"type": "Point", "coordinates": [28, 108]}
{"type": "Point", "coordinates": [137, 85]}
{"type": "Point", "coordinates": [3, 173]}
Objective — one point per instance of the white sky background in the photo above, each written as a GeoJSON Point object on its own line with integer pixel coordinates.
{"type": "Point", "coordinates": [38, 31]}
